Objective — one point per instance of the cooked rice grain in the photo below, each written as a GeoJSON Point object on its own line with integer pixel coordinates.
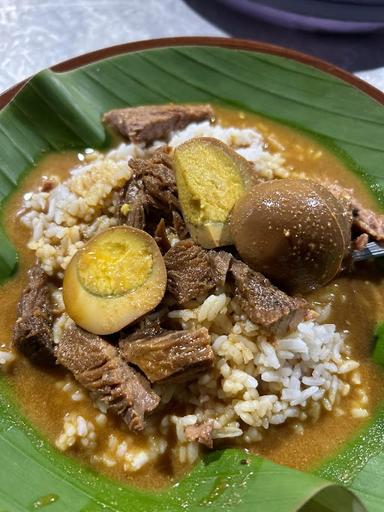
{"type": "Point", "coordinates": [258, 381]}
{"type": "Point", "coordinates": [125, 452]}
{"type": "Point", "coordinates": [76, 431]}
{"type": "Point", "coordinates": [7, 358]}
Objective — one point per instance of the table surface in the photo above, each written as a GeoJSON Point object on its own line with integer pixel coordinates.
{"type": "Point", "coordinates": [35, 34]}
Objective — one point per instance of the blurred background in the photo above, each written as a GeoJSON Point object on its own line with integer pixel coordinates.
{"type": "Point", "coordinates": [35, 34]}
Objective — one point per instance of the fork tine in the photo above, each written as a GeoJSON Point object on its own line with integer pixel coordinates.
{"type": "Point", "coordinates": [372, 250]}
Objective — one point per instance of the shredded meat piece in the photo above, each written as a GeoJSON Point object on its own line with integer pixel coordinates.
{"type": "Point", "coordinates": [179, 225]}
{"type": "Point", "coordinates": [97, 365]}
{"type": "Point", "coordinates": [133, 202]}
{"type": "Point", "coordinates": [263, 303]}
{"type": "Point", "coordinates": [163, 234]}
{"type": "Point", "coordinates": [148, 329]}
{"type": "Point", "coordinates": [32, 333]}
{"type": "Point", "coordinates": [181, 355]}
{"type": "Point", "coordinates": [189, 271]}
{"type": "Point", "coordinates": [152, 122]}
{"type": "Point", "coordinates": [161, 237]}
{"type": "Point", "coordinates": [159, 180]}
{"type": "Point", "coordinates": [342, 194]}
{"type": "Point", "coordinates": [368, 222]}
{"type": "Point", "coordinates": [364, 220]}
{"type": "Point", "coordinates": [360, 243]}
{"type": "Point", "coordinates": [202, 433]}
{"type": "Point", "coordinates": [151, 193]}
{"type": "Point", "coordinates": [49, 183]}
{"type": "Point", "coordinates": [220, 263]}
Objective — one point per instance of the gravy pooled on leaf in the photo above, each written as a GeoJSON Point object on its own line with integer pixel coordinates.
{"type": "Point", "coordinates": [114, 279]}
{"type": "Point", "coordinates": [292, 230]}
{"type": "Point", "coordinates": [210, 178]}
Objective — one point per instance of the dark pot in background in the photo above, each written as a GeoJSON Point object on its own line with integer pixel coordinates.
{"type": "Point", "coordinates": [343, 16]}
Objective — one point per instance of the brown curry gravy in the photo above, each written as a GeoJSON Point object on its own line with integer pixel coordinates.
{"type": "Point", "coordinates": [358, 304]}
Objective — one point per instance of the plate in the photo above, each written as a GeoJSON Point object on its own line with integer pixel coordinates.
{"type": "Point", "coordinates": [59, 109]}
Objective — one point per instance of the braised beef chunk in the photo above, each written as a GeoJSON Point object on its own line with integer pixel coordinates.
{"type": "Point", "coordinates": [152, 122]}
{"type": "Point", "coordinates": [177, 354]}
{"type": "Point", "coordinates": [193, 271]}
{"type": "Point", "coordinates": [98, 367]}
{"type": "Point", "coordinates": [263, 303]}
{"type": "Point", "coordinates": [220, 263]}
{"type": "Point", "coordinates": [32, 333]}
{"type": "Point", "coordinates": [189, 271]}
{"type": "Point", "coordinates": [364, 220]}
{"type": "Point", "coordinates": [151, 193]}
{"type": "Point", "coordinates": [202, 433]}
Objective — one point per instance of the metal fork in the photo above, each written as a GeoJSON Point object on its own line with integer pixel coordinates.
{"type": "Point", "coordinates": [372, 250]}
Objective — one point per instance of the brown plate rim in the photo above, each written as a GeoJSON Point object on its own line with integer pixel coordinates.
{"type": "Point", "coordinates": [222, 42]}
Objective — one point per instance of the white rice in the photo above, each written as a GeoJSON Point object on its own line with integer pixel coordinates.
{"type": "Point", "coordinates": [7, 358]}
{"type": "Point", "coordinates": [76, 209]}
{"type": "Point", "coordinates": [76, 431]}
{"type": "Point", "coordinates": [258, 381]}
{"type": "Point", "coordinates": [132, 458]}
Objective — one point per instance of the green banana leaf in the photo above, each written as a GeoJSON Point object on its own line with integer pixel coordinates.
{"type": "Point", "coordinates": [60, 111]}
